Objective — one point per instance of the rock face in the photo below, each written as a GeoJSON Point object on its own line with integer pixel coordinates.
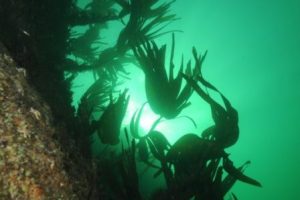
{"type": "Point", "coordinates": [31, 162]}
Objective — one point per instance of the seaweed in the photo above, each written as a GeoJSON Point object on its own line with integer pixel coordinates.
{"type": "Point", "coordinates": [225, 131]}
{"type": "Point", "coordinates": [39, 37]}
{"type": "Point", "coordinates": [109, 124]}
{"type": "Point", "coordinates": [145, 22]}
{"type": "Point", "coordinates": [163, 92]}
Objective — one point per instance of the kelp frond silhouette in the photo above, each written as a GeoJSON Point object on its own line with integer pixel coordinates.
{"type": "Point", "coordinates": [145, 22]}
{"type": "Point", "coordinates": [164, 92]}
{"type": "Point", "coordinates": [99, 99]}
{"type": "Point", "coordinates": [85, 46]}
{"type": "Point", "coordinates": [225, 131]}
{"type": "Point", "coordinates": [147, 19]}
{"type": "Point", "coordinates": [95, 12]}
{"type": "Point", "coordinates": [104, 7]}
{"type": "Point", "coordinates": [109, 124]}
{"type": "Point", "coordinates": [111, 63]}
{"type": "Point", "coordinates": [95, 98]}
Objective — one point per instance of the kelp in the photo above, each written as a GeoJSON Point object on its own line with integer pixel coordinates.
{"type": "Point", "coordinates": [193, 166]}
{"type": "Point", "coordinates": [83, 46]}
{"type": "Point", "coordinates": [236, 173]}
{"type": "Point", "coordinates": [109, 124]}
{"type": "Point", "coordinates": [197, 169]}
{"type": "Point", "coordinates": [104, 7]}
{"type": "Point", "coordinates": [164, 93]}
{"type": "Point", "coordinates": [112, 64]}
{"type": "Point", "coordinates": [146, 21]}
{"type": "Point", "coordinates": [225, 131]}
{"type": "Point", "coordinates": [196, 160]}
{"type": "Point", "coordinates": [129, 172]}
{"type": "Point", "coordinates": [95, 98]}
{"type": "Point", "coordinates": [95, 12]}
{"type": "Point", "coordinates": [145, 143]}
{"type": "Point", "coordinates": [99, 98]}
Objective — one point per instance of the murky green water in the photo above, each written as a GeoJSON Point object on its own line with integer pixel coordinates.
{"type": "Point", "coordinates": [253, 58]}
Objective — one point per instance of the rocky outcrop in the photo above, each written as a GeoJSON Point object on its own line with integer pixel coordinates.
{"type": "Point", "coordinates": [31, 160]}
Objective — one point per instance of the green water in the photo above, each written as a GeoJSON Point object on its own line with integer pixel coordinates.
{"type": "Point", "coordinates": [253, 58]}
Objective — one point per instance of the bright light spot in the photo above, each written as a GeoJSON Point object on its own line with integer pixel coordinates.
{"type": "Point", "coordinates": [147, 119]}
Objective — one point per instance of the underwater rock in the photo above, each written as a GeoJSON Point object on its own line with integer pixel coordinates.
{"type": "Point", "coordinates": [31, 161]}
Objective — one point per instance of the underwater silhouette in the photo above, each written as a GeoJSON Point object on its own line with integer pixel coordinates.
{"type": "Point", "coordinates": [164, 93]}
{"type": "Point", "coordinates": [146, 21]}
{"type": "Point", "coordinates": [40, 37]}
{"type": "Point", "coordinates": [109, 124]}
{"type": "Point", "coordinates": [225, 131]}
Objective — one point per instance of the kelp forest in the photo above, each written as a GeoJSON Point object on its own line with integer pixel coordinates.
{"type": "Point", "coordinates": [43, 40]}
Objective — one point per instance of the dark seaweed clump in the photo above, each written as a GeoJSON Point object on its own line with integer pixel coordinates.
{"type": "Point", "coordinates": [39, 36]}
